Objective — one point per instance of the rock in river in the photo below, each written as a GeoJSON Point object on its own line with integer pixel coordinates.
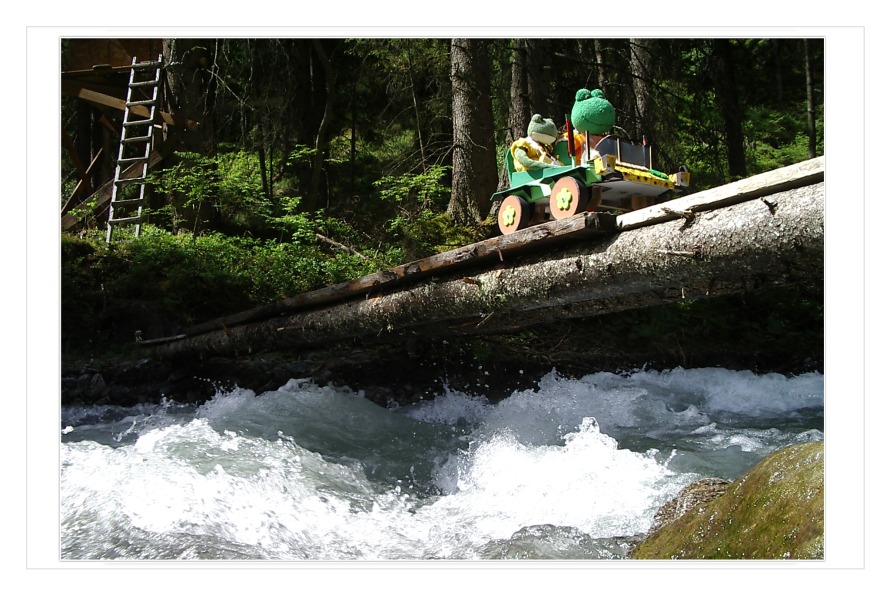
{"type": "Point", "coordinates": [775, 511]}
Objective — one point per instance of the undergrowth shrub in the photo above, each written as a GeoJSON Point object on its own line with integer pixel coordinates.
{"type": "Point", "coordinates": [187, 278]}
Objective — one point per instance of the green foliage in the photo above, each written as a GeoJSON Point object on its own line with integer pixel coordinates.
{"type": "Point", "coordinates": [779, 138]}
{"type": "Point", "coordinates": [186, 278]}
{"type": "Point", "coordinates": [418, 223]}
{"type": "Point", "coordinates": [279, 270]}
{"type": "Point", "coordinates": [194, 177]}
{"type": "Point", "coordinates": [229, 184]}
{"type": "Point", "coordinates": [299, 154]}
{"type": "Point", "coordinates": [423, 190]}
{"type": "Point", "coordinates": [240, 197]}
{"type": "Point", "coordinates": [195, 276]}
{"type": "Point", "coordinates": [429, 232]}
{"type": "Point", "coordinates": [82, 292]}
{"type": "Point", "coordinates": [299, 226]}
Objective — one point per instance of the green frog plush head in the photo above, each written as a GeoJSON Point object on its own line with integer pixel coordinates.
{"type": "Point", "coordinates": [535, 150]}
{"type": "Point", "coordinates": [542, 130]}
{"type": "Point", "coordinates": [592, 112]}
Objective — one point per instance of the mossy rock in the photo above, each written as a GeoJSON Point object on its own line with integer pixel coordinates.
{"type": "Point", "coordinates": [775, 511]}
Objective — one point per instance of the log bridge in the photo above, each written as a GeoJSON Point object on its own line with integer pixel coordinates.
{"type": "Point", "coordinates": [759, 232]}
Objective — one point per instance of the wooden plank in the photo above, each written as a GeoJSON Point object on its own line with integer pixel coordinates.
{"type": "Point", "coordinates": [488, 250]}
{"type": "Point", "coordinates": [84, 53]}
{"type": "Point", "coordinates": [103, 194]}
{"type": "Point", "coordinates": [791, 177]}
{"type": "Point", "coordinates": [102, 100]}
{"type": "Point", "coordinates": [72, 152]}
{"type": "Point", "coordinates": [84, 184]}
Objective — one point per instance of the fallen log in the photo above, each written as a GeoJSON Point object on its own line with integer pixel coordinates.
{"type": "Point", "coordinates": [464, 257]}
{"type": "Point", "coordinates": [770, 239]}
{"type": "Point", "coordinates": [757, 186]}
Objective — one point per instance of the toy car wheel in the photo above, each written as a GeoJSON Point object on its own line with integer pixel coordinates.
{"type": "Point", "coordinates": [567, 198]}
{"type": "Point", "coordinates": [513, 214]}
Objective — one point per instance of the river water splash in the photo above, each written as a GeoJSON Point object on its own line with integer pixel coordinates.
{"type": "Point", "coordinates": [573, 469]}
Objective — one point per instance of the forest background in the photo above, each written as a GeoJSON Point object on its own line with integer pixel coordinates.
{"type": "Point", "coordinates": [320, 160]}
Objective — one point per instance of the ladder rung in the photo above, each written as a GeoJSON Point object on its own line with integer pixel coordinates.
{"type": "Point", "coordinates": [145, 102]}
{"type": "Point", "coordinates": [123, 220]}
{"type": "Point", "coordinates": [135, 159]}
{"type": "Point", "coordinates": [136, 139]}
{"type": "Point", "coordinates": [127, 180]}
{"type": "Point", "coordinates": [138, 122]}
{"type": "Point", "coordinates": [145, 65]}
{"type": "Point", "coordinates": [143, 83]}
{"type": "Point", "coordinates": [128, 202]}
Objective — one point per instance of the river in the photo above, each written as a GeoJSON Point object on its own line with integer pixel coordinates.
{"type": "Point", "coordinates": [574, 469]}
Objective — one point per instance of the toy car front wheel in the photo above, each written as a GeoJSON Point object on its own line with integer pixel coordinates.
{"type": "Point", "coordinates": [513, 214]}
{"type": "Point", "coordinates": [567, 198]}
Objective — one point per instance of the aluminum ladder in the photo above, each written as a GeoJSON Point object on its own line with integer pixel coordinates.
{"type": "Point", "coordinates": [140, 111]}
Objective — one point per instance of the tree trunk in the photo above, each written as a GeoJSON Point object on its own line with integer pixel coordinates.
{"type": "Point", "coordinates": [775, 236]}
{"type": "Point", "coordinates": [474, 173]}
{"type": "Point", "coordinates": [811, 100]}
{"type": "Point", "coordinates": [640, 66]}
{"type": "Point", "coordinates": [321, 139]}
{"type": "Point", "coordinates": [776, 45]}
{"type": "Point", "coordinates": [538, 57]}
{"type": "Point", "coordinates": [418, 120]}
{"type": "Point", "coordinates": [728, 99]}
{"type": "Point", "coordinates": [264, 173]}
{"type": "Point", "coordinates": [189, 73]}
{"type": "Point", "coordinates": [520, 111]}
{"type": "Point", "coordinates": [600, 65]}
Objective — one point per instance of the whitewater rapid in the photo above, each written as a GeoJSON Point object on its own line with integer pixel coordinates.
{"type": "Point", "coordinates": [572, 469]}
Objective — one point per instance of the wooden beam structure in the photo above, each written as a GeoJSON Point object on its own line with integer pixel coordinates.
{"type": "Point", "coordinates": [84, 185]}
{"type": "Point", "coordinates": [764, 231]}
{"type": "Point", "coordinates": [93, 86]}
{"type": "Point", "coordinates": [108, 101]}
{"type": "Point", "coordinates": [103, 195]}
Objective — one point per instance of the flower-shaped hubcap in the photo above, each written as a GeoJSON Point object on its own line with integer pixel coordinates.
{"type": "Point", "coordinates": [509, 215]}
{"type": "Point", "coordinates": [564, 199]}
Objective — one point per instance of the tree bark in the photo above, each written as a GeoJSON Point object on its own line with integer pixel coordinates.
{"type": "Point", "coordinates": [474, 173]}
{"type": "Point", "coordinates": [765, 241]}
{"type": "Point", "coordinates": [600, 65]}
{"type": "Point", "coordinates": [776, 45]}
{"type": "Point", "coordinates": [538, 57]}
{"type": "Point", "coordinates": [520, 109]}
{"type": "Point", "coordinates": [811, 100]}
{"type": "Point", "coordinates": [189, 64]}
{"type": "Point", "coordinates": [640, 65]}
{"type": "Point", "coordinates": [728, 99]}
{"type": "Point", "coordinates": [321, 139]}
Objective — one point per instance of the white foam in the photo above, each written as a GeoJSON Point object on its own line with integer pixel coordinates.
{"type": "Point", "coordinates": [320, 473]}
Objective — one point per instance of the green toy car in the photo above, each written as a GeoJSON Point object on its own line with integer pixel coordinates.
{"type": "Point", "coordinates": [604, 172]}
